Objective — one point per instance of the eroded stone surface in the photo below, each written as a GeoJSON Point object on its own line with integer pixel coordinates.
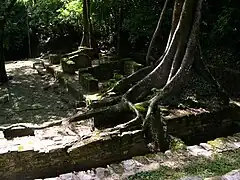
{"type": "Point", "coordinates": [152, 162]}
{"type": "Point", "coordinates": [54, 150]}
{"type": "Point", "coordinates": [68, 66]}
{"type": "Point", "coordinates": [199, 151]}
{"type": "Point", "coordinates": [191, 178]}
{"type": "Point", "coordinates": [88, 82]}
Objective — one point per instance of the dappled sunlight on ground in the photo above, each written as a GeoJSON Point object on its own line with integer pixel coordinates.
{"type": "Point", "coordinates": [26, 99]}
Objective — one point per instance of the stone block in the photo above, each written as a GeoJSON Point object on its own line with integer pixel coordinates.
{"type": "Point", "coordinates": [88, 51]}
{"type": "Point", "coordinates": [81, 61]}
{"type": "Point", "coordinates": [107, 58]}
{"type": "Point", "coordinates": [68, 66]}
{"type": "Point", "coordinates": [106, 71]}
{"type": "Point", "coordinates": [54, 58]}
{"type": "Point", "coordinates": [18, 132]}
{"type": "Point", "coordinates": [88, 82]}
{"type": "Point", "coordinates": [131, 67]}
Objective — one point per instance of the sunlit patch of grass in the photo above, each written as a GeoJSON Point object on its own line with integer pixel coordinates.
{"type": "Point", "coordinates": [219, 165]}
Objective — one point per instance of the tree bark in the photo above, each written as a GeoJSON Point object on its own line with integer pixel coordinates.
{"type": "Point", "coordinates": [175, 18]}
{"type": "Point", "coordinates": [187, 19]}
{"type": "Point", "coordinates": [3, 73]}
{"type": "Point", "coordinates": [86, 25]}
{"type": "Point", "coordinates": [119, 26]}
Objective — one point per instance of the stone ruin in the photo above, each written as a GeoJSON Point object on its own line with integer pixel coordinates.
{"type": "Point", "coordinates": [35, 152]}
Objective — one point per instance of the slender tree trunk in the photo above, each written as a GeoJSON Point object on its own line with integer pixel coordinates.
{"type": "Point", "coordinates": [182, 44]}
{"type": "Point", "coordinates": [29, 37]}
{"type": "Point", "coordinates": [3, 19]}
{"type": "Point", "coordinates": [86, 26]}
{"type": "Point", "coordinates": [90, 28]}
{"type": "Point", "coordinates": [119, 26]}
{"type": "Point", "coordinates": [3, 73]}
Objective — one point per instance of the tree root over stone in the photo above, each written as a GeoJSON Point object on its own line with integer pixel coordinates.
{"type": "Point", "coordinates": [170, 74]}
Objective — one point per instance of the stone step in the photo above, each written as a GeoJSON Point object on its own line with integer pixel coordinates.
{"type": "Point", "coordinates": [155, 161]}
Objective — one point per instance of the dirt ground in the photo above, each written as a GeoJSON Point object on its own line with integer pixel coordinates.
{"type": "Point", "coordinates": [30, 98]}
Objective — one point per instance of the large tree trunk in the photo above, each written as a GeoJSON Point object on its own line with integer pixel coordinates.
{"type": "Point", "coordinates": [174, 67]}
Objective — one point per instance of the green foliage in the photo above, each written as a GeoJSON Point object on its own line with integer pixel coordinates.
{"type": "Point", "coordinates": [52, 19]}
{"type": "Point", "coordinates": [44, 15]}
{"type": "Point", "coordinates": [142, 107]}
{"type": "Point", "coordinates": [117, 76]}
{"type": "Point", "coordinates": [142, 17]}
{"type": "Point", "coordinates": [16, 28]}
{"type": "Point", "coordinates": [177, 144]}
{"type": "Point", "coordinates": [112, 82]}
{"type": "Point", "coordinates": [226, 25]}
{"type": "Point", "coordinates": [71, 12]}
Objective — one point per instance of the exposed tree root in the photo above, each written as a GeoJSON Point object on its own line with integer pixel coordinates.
{"type": "Point", "coordinates": [159, 77]}
{"type": "Point", "coordinates": [106, 102]}
{"type": "Point", "coordinates": [93, 113]}
{"type": "Point", "coordinates": [182, 53]}
{"type": "Point", "coordinates": [78, 117]}
{"type": "Point", "coordinates": [123, 85]}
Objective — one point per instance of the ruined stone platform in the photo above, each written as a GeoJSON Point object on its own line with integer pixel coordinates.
{"type": "Point", "coordinates": [66, 148]}
{"type": "Point", "coordinates": [57, 150]}
{"type": "Point", "coordinates": [74, 79]}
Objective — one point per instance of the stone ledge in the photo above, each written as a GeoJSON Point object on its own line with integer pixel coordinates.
{"type": "Point", "coordinates": [151, 162]}
{"type": "Point", "coordinates": [53, 151]}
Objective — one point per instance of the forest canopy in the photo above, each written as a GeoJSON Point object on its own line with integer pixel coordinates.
{"type": "Point", "coordinates": [50, 20]}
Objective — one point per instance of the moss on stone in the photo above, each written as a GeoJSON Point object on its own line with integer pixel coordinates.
{"type": "Point", "coordinates": [117, 76]}
{"type": "Point", "coordinates": [177, 144]}
{"type": "Point", "coordinates": [69, 62]}
{"type": "Point", "coordinates": [141, 107]}
{"type": "Point", "coordinates": [20, 148]}
{"type": "Point", "coordinates": [217, 143]}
